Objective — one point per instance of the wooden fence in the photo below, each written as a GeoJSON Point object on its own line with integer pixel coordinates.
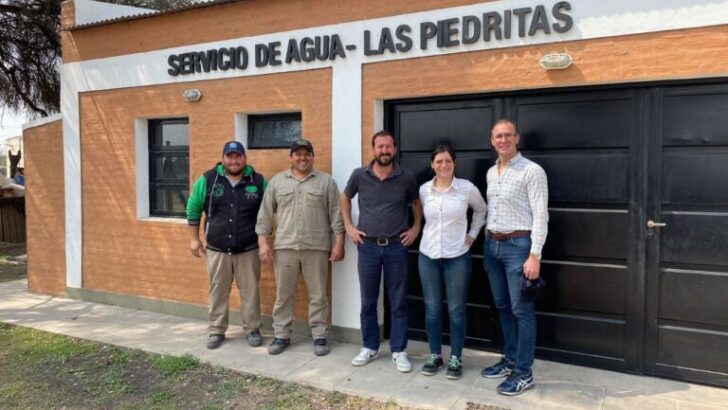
{"type": "Point", "coordinates": [12, 220]}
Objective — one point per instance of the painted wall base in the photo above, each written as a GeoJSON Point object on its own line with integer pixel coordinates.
{"type": "Point", "coordinates": [300, 327]}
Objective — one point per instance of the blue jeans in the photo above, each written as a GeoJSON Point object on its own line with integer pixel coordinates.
{"type": "Point", "coordinates": [392, 260]}
{"type": "Point", "coordinates": [504, 261]}
{"type": "Point", "coordinates": [455, 273]}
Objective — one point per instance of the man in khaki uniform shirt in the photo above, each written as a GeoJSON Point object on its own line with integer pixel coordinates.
{"type": "Point", "coordinates": [306, 204]}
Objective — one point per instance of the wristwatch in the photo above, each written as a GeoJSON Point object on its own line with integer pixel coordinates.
{"type": "Point", "coordinates": [536, 255]}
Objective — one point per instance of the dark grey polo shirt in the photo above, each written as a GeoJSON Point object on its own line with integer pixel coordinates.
{"type": "Point", "coordinates": [383, 205]}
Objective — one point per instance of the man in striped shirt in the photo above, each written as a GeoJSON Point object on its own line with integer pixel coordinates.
{"type": "Point", "coordinates": [516, 228]}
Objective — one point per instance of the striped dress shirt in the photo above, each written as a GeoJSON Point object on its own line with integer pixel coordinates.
{"type": "Point", "coordinates": [518, 200]}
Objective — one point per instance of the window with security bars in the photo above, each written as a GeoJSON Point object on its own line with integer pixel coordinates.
{"type": "Point", "coordinates": [273, 130]}
{"type": "Point", "coordinates": [169, 167]}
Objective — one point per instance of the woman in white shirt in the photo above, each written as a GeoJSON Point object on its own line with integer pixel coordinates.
{"type": "Point", "coordinates": [445, 256]}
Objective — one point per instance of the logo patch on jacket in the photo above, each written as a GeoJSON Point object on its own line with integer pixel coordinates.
{"type": "Point", "coordinates": [218, 190]}
{"type": "Point", "coordinates": [251, 192]}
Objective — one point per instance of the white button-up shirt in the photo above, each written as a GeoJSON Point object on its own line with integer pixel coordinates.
{"type": "Point", "coordinates": [518, 200]}
{"type": "Point", "coordinates": [446, 219]}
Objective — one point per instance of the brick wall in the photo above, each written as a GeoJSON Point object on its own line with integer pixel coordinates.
{"type": "Point", "coordinates": [151, 258]}
{"type": "Point", "coordinates": [44, 208]}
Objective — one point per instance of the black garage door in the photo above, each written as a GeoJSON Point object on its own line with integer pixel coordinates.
{"type": "Point", "coordinates": [623, 292]}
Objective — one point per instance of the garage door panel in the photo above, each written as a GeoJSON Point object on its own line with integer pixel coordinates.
{"type": "Point", "coordinates": [474, 167]}
{"type": "Point", "coordinates": [692, 238]}
{"type": "Point", "coordinates": [480, 329]}
{"type": "Point", "coordinates": [419, 164]}
{"type": "Point", "coordinates": [471, 166]}
{"type": "Point", "coordinates": [416, 313]}
{"type": "Point", "coordinates": [598, 123]}
{"type": "Point", "coordinates": [585, 335]}
{"type": "Point", "coordinates": [694, 296]}
{"type": "Point", "coordinates": [619, 294]}
{"type": "Point", "coordinates": [695, 119]}
{"type": "Point", "coordinates": [694, 177]}
{"type": "Point", "coordinates": [693, 348]}
{"type": "Point", "coordinates": [586, 177]}
{"type": "Point", "coordinates": [414, 284]}
{"type": "Point", "coordinates": [583, 287]}
{"type": "Point", "coordinates": [587, 234]}
{"type": "Point", "coordinates": [479, 291]}
{"type": "Point", "coordinates": [465, 128]}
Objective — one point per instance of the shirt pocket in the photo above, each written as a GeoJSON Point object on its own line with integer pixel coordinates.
{"type": "Point", "coordinates": [457, 204]}
{"type": "Point", "coordinates": [315, 198]}
{"type": "Point", "coordinates": [284, 197]}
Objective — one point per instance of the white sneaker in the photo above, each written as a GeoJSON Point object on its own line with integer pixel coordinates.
{"type": "Point", "coordinates": [365, 356]}
{"type": "Point", "coordinates": [400, 360]}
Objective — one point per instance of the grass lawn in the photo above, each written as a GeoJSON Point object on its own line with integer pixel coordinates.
{"type": "Point", "coordinates": [40, 370]}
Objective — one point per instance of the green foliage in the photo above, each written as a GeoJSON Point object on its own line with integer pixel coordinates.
{"type": "Point", "coordinates": [161, 397]}
{"type": "Point", "coordinates": [173, 365]}
{"type": "Point", "coordinates": [116, 381]}
{"type": "Point", "coordinates": [30, 52]}
{"type": "Point", "coordinates": [47, 346]}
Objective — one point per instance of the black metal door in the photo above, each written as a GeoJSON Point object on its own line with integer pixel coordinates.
{"type": "Point", "coordinates": [687, 286]}
{"type": "Point", "coordinates": [617, 294]}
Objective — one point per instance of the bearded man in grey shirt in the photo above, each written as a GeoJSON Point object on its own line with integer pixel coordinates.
{"type": "Point", "coordinates": [385, 191]}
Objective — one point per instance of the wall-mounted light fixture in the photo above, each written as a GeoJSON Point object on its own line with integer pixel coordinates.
{"type": "Point", "coordinates": [556, 61]}
{"type": "Point", "coordinates": [192, 95]}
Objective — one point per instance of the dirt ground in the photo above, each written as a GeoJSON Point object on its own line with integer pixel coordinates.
{"type": "Point", "coordinates": [41, 370]}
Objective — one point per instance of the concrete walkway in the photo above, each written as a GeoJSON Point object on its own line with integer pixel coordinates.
{"type": "Point", "coordinates": [559, 386]}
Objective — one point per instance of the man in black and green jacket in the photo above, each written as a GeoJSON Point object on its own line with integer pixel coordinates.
{"type": "Point", "coordinates": [230, 195]}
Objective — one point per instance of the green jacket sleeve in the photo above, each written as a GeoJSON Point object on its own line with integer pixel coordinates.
{"type": "Point", "coordinates": [264, 224]}
{"type": "Point", "coordinates": [196, 203]}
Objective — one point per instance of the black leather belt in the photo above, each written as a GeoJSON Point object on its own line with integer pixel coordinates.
{"type": "Point", "coordinates": [382, 241]}
{"type": "Point", "coordinates": [229, 251]}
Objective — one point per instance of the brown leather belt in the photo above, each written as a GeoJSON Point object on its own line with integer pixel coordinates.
{"type": "Point", "coordinates": [499, 236]}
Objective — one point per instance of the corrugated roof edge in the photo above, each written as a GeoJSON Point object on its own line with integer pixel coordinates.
{"type": "Point", "coordinates": [147, 15]}
{"type": "Point", "coordinates": [42, 121]}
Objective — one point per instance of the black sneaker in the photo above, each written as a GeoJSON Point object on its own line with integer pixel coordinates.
{"type": "Point", "coordinates": [501, 369]}
{"type": "Point", "coordinates": [321, 346]}
{"type": "Point", "coordinates": [516, 384]}
{"type": "Point", "coordinates": [254, 338]}
{"type": "Point", "coordinates": [277, 345]}
{"type": "Point", "coordinates": [454, 368]}
{"type": "Point", "coordinates": [434, 363]}
{"type": "Point", "coordinates": [215, 340]}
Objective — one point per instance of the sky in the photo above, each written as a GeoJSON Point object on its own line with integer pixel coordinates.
{"type": "Point", "coordinates": [11, 124]}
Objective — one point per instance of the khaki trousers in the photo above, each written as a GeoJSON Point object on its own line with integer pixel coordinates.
{"type": "Point", "coordinates": [315, 268]}
{"type": "Point", "coordinates": [245, 268]}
